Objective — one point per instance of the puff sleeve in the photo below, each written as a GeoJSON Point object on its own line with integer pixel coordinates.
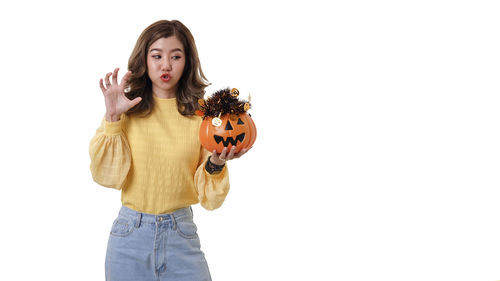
{"type": "Point", "coordinates": [212, 188]}
{"type": "Point", "coordinates": [110, 157]}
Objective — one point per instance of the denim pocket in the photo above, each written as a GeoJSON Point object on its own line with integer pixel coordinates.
{"type": "Point", "coordinates": [122, 227]}
{"type": "Point", "coordinates": [186, 227]}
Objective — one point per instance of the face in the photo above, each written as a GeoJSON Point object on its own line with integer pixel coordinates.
{"type": "Point", "coordinates": [166, 60]}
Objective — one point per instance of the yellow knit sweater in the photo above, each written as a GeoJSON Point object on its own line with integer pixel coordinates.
{"type": "Point", "coordinates": [156, 161]}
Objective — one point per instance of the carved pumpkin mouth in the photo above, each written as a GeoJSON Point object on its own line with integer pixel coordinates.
{"type": "Point", "coordinates": [228, 140]}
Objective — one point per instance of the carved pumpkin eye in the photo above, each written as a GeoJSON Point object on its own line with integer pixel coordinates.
{"type": "Point", "coordinates": [240, 122]}
{"type": "Point", "coordinates": [228, 126]}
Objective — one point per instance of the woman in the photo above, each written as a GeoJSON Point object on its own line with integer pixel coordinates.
{"type": "Point", "coordinates": [148, 147]}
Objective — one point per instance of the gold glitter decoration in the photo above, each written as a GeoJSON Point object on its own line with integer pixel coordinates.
{"type": "Point", "coordinates": [234, 92]}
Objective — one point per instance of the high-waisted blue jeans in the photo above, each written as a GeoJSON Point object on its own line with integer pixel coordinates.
{"type": "Point", "coordinates": [146, 247]}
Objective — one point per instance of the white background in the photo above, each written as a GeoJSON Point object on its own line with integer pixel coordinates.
{"type": "Point", "coordinates": [377, 154]}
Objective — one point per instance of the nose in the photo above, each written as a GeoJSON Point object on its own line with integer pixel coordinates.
{"type": "Point", "coordinates": [165, 65]}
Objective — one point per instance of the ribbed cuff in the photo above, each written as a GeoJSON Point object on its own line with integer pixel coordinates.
{"type": "Point", "coordinates": [113, 128]}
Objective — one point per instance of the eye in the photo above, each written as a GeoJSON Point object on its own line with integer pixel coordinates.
{"type": "Point", "coordinates": [228, 126]}
{"type": "Point", "coordinates": [240, 122]}
{"type": "Point", "coordinates": [176, 57]}
{"type": "Point", "coordinates": [156, 56]}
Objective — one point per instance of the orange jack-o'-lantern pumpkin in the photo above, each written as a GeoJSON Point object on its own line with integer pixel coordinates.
{"type": "Point", "coordinates": [226, 122]}
{"type": "Point", "coordinates": [234, 130]}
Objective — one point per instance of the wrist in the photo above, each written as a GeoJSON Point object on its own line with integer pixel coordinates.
{"type": "Point", "coordinates": [112, 117]}
{"type": "Point", "coordinates": [212, 168]}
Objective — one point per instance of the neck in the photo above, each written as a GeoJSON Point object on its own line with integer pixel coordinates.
{"type": "Point", "coordinates": [164, 94]}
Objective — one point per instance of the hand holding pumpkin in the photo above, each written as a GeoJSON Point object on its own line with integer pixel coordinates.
{"type": "Point", "coordinates": [220, 159]}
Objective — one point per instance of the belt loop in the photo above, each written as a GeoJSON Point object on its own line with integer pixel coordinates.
{"type": "Point", "coordinates": [138, 220]}
{"type": "Point", "coordinates": [174, 221]}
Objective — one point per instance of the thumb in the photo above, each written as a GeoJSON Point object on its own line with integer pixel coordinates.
{"type": "Point", "coordinates": [135, 101]}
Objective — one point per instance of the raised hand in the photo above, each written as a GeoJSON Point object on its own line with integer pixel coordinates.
{"type": "Point", "coordinates": [114, 96]}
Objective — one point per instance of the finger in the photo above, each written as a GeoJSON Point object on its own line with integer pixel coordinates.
{"type": "Point", "coordinates": [107, 79]}
{"type": "Point", "coordinates": [242, 152]}
{"type": "Point", "coordinates": [115, 76]}
{"type": "Point", "coordinates": [125, 78]}
{"type": "Point", "coordinates": [102, 86]}
{"type": "Point", "coordinates": [215, 158]}
{"type": "Point", "coordinates": [222, 155]}
{"type": "Point", "coordinates": [231, 153]}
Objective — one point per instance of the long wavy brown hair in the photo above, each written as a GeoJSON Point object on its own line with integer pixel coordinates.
{"type": "Point", "coordinates": [192, 83]}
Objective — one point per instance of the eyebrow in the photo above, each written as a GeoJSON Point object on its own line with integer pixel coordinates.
{"type": "Point", "coordinates": [174, 50]}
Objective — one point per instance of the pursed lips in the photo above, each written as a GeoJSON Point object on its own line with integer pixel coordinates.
{"type": "Point", "coordinates": [165, 77]}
